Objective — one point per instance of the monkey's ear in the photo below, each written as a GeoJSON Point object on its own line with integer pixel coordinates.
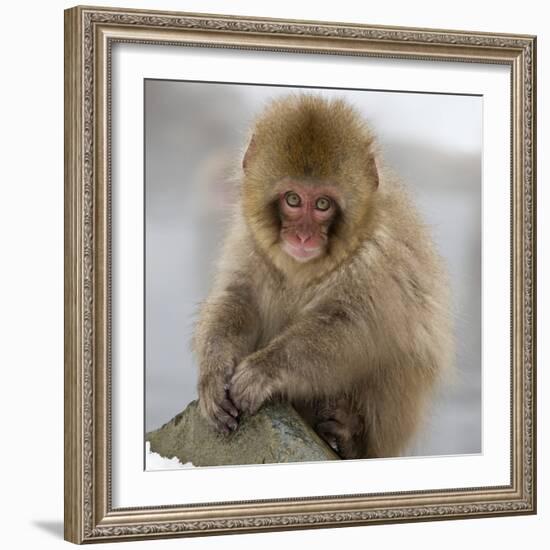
{"type": "Point", "coordinates": [372, 171]}
{"type": "Point", "coordinates": [250, 151]}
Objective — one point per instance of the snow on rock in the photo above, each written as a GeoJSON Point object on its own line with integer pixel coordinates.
{"type": "Point", "coordinates": [153, 461]}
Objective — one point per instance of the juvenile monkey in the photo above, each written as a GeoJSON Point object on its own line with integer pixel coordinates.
{"type": "Point", "coordinates": [329, 293]}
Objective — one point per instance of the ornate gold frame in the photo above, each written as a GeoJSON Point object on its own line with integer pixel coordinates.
{"type": "Point", "coordinates": [89, 35]}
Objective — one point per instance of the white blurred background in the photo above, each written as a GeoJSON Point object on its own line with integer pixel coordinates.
{"type": "Point", "coordinates": [194, 135]}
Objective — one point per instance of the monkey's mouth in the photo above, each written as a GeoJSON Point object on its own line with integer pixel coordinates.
{"type": "Point", "coordinates": [301, 253]}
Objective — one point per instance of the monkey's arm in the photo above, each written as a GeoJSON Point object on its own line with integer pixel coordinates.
{"type": "Point", "coordinates": [226, 332]}
{"type": "Point", "coordinates": [322, 353]}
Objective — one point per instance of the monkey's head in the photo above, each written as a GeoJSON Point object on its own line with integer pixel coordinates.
{"type": "Point", "coordinates": [309, 182]}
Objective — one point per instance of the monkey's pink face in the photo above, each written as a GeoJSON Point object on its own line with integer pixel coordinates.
{"type": "Point", "coordinates": [306, 216]}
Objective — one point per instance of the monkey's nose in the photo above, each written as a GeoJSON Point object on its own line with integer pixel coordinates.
{"type": "Point", "coordinates": [303, 236]}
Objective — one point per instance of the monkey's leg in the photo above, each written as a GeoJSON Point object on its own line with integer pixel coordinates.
{"type": "Point", "coordinates": [395, 406]}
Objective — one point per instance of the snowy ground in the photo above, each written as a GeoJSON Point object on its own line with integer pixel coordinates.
{"type": "Point", "coordinates": [153, 461]}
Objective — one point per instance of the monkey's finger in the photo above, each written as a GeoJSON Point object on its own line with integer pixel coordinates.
{"type": "Point", "coordinates": [344, 418]}
{"type": "Point", "coordinates": [217, 425]}
{"type": "Point", "coordinates": [211, 417]}
{"type": "Point", "coordinates": [215, 415]}
{"type": "Point", "coordinates": [332, 432]}
{"type": "Point", "coordinates": [228, 406]}
{"type": "Point", "coordinates": [241, 404]}
{"type": "Point", "coordinates": [226, 421]}
{"type": "Point", "coordinates": [235, 395]}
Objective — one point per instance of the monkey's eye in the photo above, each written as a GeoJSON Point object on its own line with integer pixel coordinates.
{"type": "Point", "coordinates": [322, 203]}
{"type": "Point", "coordinates": [293, 199]}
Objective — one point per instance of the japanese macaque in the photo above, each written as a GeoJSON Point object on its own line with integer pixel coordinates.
{"type": "Point", "coordinates": [329, 294]}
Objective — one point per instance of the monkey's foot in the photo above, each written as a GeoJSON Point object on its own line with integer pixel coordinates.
{"type": "Point", "coordinates": [339, 437]}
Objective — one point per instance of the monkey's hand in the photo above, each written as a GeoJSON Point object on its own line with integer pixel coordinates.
{"type": "Point", "coordinates": [252, 383]}
{"type": "Point", "coordinates": [215, 403]}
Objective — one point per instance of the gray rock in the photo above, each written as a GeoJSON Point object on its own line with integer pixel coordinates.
{"type": "Point", "coordinates": [275, 434]}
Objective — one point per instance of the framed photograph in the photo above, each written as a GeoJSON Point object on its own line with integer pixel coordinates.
{"type": "Point", "coordinates": [299, 274]}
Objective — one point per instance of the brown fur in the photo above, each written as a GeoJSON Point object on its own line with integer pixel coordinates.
{"type": "Point", "coordinates": [356, 338]}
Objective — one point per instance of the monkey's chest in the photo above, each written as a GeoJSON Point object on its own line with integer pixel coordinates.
{"type": "Point", "coordinates": [276, 312]}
